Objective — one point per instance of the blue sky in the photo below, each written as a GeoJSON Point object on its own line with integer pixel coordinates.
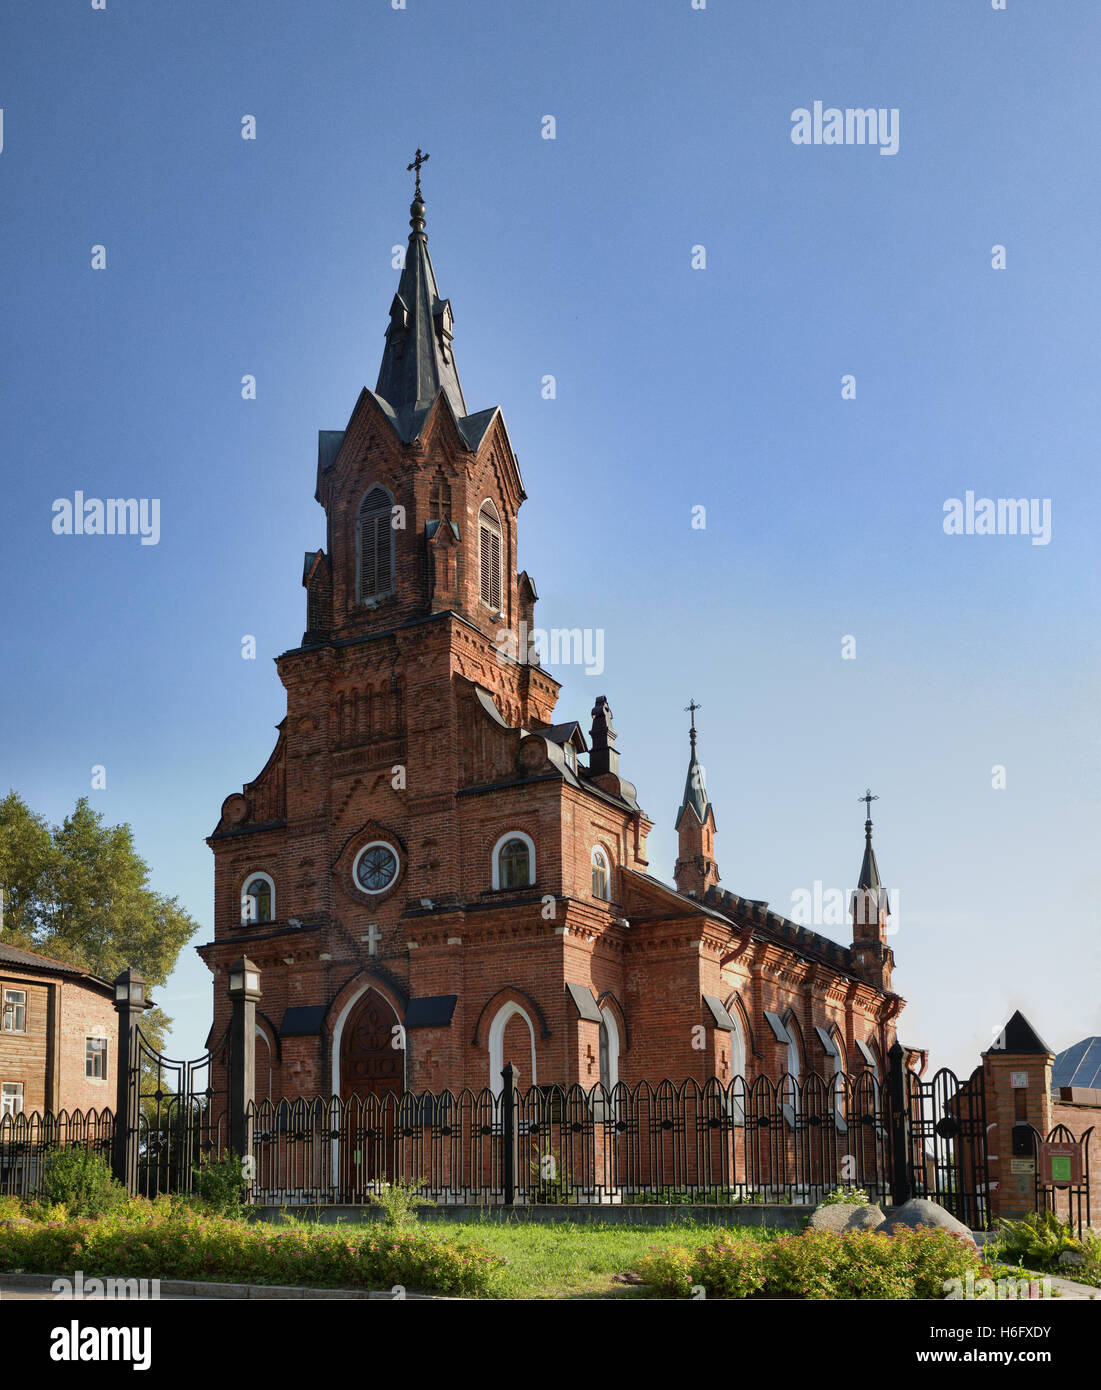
{"type": "Point", "coordinates": [676, 388]}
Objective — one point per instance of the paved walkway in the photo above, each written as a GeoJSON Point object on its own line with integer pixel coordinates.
{"type": "Point", "coordinates": [40, 1286]}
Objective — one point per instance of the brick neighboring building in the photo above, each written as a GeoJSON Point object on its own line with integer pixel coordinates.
{"type": "Point", "coordinates": [58, 1032]}
{"type": "Point", "coordinates": [428, 858]}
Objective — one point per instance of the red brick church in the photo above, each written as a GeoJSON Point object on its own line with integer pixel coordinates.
{"type": "Point", "coordinates": [434, 873]}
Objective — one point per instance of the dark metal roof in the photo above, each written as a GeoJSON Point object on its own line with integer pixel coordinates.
{"type": "Point", "coordinates": [302, 1021]}
{"type": "Point", "coordinates": [568, 732]}
{"type": "Point", "coordinates": [719, 1013]}
{"type": "Point", "coordinates": [1018, 1035]}
{"type": "Point", "coordinates": [1079, 1065]}
{"type": "Point", "coordinates": [31, 960]}
{"type": "Point", "coordinates": [431, 1011]}
{"type": "Point", "coordinates": [828, 1044]}
{"type": "Point", "coordinates": [582, 997]}
{"type": "Point", "coordinates": [417, 363]}
{"type": "Point", "coordinates": [869, 870]}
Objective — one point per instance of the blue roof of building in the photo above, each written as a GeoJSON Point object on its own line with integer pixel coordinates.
{"type": "Point", "coordinates": [1079, 1065]}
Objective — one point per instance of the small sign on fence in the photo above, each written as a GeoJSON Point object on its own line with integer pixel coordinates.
{"type": "Point", "coordinates": [1061, 1165]}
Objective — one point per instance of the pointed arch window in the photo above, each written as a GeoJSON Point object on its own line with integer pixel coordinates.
{"type": "Point", "coordinates": [489, 556]}
{"type": "Point", "coordinates": [602, 877]}
{"type": "Point", "coordinates": [375, 545]}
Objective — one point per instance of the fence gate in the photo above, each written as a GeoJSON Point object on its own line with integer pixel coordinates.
{"type": "Point", "coordinates": [179, 1117]}
{"type": "Point", "coordinates": [940, 1141]}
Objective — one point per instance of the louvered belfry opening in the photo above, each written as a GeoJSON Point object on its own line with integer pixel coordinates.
{"type": "Point", "coordinates": [375, 545]}
{"type": "Point", "coordinates": [489, 548]}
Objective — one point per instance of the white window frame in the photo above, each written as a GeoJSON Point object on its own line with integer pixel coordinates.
{"type": "Point", "coordinates": [599, 852]}
{"type": "Point", "coordinates": [794, 1066]}
{"type": "Point", "coordinates": [246, 897]}
{"type": "Point", "coordinates": [13, 1005]}
{"type": "Point", "coordinates": [608, 1018]}
{"type": "Point", "coordinates": [11, 1098]}
{"type": "Point", "coordinates": [102, 1050]}
{"type": "Point", "coordinates": [497, 1045]}
{"type": "Point", "coordinates": [376, 892]}
{"type": "Point", "coordinates": [496, 861]}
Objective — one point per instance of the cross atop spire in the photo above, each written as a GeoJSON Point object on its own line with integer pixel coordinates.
{"type": "Point", "coordinates": [868, 798]}
{"type": "Point", "coordinates": [418, 160]}
{"type": "Point", "coordinates": [690, 708]}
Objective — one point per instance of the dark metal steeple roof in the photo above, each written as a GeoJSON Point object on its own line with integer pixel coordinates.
{"type": "Point", "coordinates": [869, 869]}
{"type": "Point", "coordinates": [695, 789]}
{"type": "Point", "coordinates": [417, 363]}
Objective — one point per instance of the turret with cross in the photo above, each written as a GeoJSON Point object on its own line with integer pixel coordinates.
{"type": "Point", "coordinates": [870, 905]}
{"type": "Point", "coordinates": [696, 870]}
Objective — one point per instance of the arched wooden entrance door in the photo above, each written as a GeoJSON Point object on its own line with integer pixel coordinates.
{"type": "Point", "coordinates": [371, 1070]}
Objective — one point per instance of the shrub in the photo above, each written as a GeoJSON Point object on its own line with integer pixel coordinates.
{"type": "Point", "coordinates": [1039, 1240]}
{"type": "Point", "coordinates": [220, 1184]}
{"type": "Point", "coordinates": [816, 1265]}
{"type": "Point", "coordinates": [849, 1196]}
{"type": "Point", "coordinates": [669, 1270]}
{"type": "Point", "coordinates": [81, 1181]}
{"type": "Point", "coordinates": [729, 1267]}
{"type": "Point", "coordinates": [399, 1202]}
{"type": "Point", "coordinates": [151, 1240]}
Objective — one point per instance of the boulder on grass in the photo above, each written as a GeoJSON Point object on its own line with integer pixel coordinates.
{"type": "Point", "coordinates": [920, 1211]}
{"type": "Point", "coordinates": [847, 1216]}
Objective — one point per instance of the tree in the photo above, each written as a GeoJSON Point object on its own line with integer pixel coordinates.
{"type": "Point", "coordinates": [79, 892]}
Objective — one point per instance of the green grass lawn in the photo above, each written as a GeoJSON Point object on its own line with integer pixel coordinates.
{"type": "Point", "coordinates": [572, 1261]}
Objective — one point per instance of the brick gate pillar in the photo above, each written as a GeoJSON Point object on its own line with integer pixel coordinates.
{"type": "Point", "coordinates": [1017, 1085]}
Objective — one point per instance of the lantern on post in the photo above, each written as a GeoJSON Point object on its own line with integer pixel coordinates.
{"type": "Point", "coordinates": [244, 991]}
{"type": "Point", "coordinates": [130, 1004]}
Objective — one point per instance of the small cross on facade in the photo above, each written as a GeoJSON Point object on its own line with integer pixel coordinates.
{"type": "Point", "coordinates": [374, 936]}
{"type": "Point", "coordinates": [868, 798]}
{"type": "Point", "coordinates": [418, 160]}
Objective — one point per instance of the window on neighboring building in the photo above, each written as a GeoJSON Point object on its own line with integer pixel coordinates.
{"type": "Point", "coordinates": [15, 1011]}
{"type": "Point", "coordinates": [11, 1098]}
{"type": "Point", "coordinates": [258, 900]}
{"type": "Point", "coordinates": [95, 1058]}
{"type": "Point", "coordinates": [375, 545]}
{"type": "Point", "coordinates": [514, 862]}
{"type": "Point", "coordinates": [489, 556]}
{"type": "Point", "coordinates": [602, 878]}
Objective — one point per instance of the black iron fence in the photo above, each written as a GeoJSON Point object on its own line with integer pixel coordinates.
{"type": "Point", "coordinates": [27, 1140]}
{"type": "Point", "coordinates": [791, 1140]}
{"type": "Point", "coordinates": [1070, 1200]}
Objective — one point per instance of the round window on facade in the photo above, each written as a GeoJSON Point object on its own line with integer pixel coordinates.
{"type": "Point", "coordinates": [375, 867]}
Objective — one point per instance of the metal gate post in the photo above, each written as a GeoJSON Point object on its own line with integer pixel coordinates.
{"type": "Point", "coordinates": [508, 1131]}
{"type": "Point", "coordinates": [244, 991]}
{"type": "Point", "coordinates": [129, 1005]}
{"type": "Point", "coordinates": [901, 1186]}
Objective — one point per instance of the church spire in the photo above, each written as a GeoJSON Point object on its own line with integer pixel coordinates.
{"type": "Point", "coordinates": [869, 870]}
{"type": "Point", "coordinates": [695, 788]}
{"type": "Point", "coordinates": [417, 362]}
{"type": "Point", "coordinates": [696, 870]}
